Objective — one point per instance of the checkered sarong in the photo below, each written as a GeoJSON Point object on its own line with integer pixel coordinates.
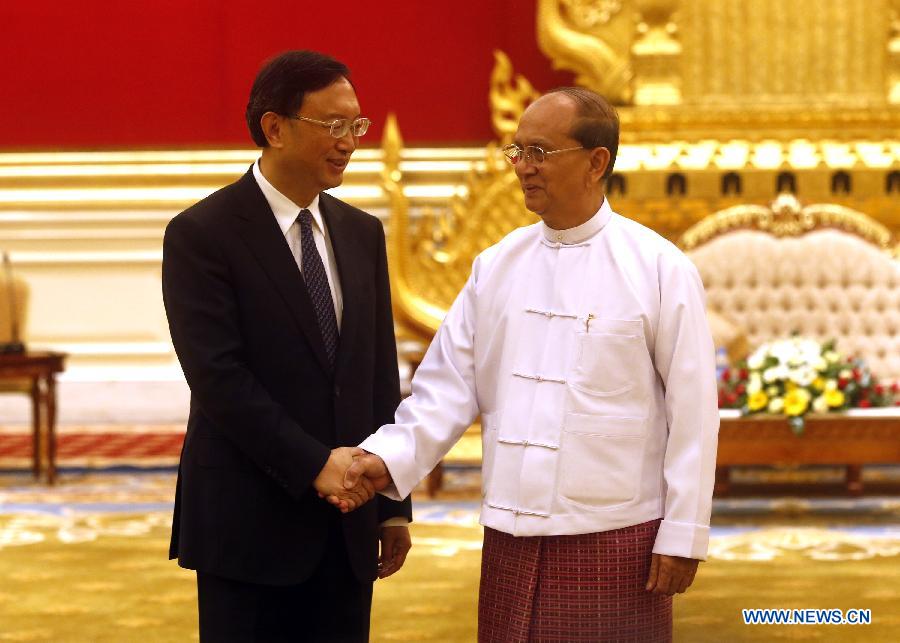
{"type": "Point", "coordinates": [587, 587]}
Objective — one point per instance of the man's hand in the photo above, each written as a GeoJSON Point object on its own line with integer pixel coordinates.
{"type": "Point", "coordinates": [671, 574]}
{"type": "Point", "coordinates": [368, 465]}
{"type": "Point", "coordinates": [367, 470]}
{"type": "Point", "coordinates": [395, 544]}
{"type": "Point", "coordinates": [330, 481]}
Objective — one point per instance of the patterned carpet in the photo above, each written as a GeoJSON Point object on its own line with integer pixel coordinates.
{"type": "Point", "coordinates": [103, 446]}
{"type": "Point", "coordinates": [86, 561]}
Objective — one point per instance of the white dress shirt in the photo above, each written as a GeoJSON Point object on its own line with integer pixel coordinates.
{"type": "Point", "coordinates": [286, 212]}
{"type": "Point", "coordinates": [587, 353]}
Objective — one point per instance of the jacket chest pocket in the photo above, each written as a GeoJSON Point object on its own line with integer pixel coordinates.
{"type": "Point", "coordinates": [611, 364]}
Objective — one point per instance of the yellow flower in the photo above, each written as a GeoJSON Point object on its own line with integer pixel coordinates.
{"type": "Point", "coordinates": [757, 401]}
{"type": "Point", "coordinates": [819, 383]}
{"type": "Point", "coordinates": [796, 401]}
{"type": "Point", "coordinates": [834, 397]}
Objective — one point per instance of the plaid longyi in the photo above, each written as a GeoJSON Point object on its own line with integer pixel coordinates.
{"type": "Point", "coordinates": [586, 587]}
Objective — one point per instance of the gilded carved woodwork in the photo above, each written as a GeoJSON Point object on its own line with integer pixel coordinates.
{"type": "Point", "coordinates": [509, 96]}
{"type": "Point", "coordinates": [728, 53]}
{"type": "Point", "coordinates": [786, 217]}
{"type": "Point", "coordinates": [568, 32]}
{"type": "Point", "coordinates": [893, 62]}
{"type": "Point", "coordinates": [431, 254]}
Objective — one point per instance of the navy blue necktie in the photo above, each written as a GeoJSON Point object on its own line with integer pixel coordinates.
{"type": "Point", "coordinates": [317, 285]}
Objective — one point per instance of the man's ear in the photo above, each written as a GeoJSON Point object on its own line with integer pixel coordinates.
{"type": "Point", "coordinates": [272, 128]}
{"type": "Point", "coordinates": [599, 161]}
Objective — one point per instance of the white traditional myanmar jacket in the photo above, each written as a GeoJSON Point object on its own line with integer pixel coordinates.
{"type": "Point", "coordinates": [587, 353]}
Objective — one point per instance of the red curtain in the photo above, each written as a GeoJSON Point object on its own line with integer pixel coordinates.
{"type": "Point", "coordinates": [89, 74]}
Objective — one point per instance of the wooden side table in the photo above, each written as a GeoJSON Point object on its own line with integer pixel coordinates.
{"type": "Point", "coordinates": [41, 369]}
{"type": "Point", "coordinates": [854, 438]}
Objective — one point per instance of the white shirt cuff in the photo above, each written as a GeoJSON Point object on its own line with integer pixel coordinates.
{"type": "Point", "coordinates": [687, 540]}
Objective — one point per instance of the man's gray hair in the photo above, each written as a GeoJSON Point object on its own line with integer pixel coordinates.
{"type": "Point", "coordinates": [597, 124]}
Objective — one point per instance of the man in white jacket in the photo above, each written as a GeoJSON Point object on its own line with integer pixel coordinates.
{"type": "Point", "coordinates": [582, 342]}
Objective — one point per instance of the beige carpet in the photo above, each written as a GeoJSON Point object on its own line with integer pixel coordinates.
{"type": "Point", "coordinates": [75, 565]}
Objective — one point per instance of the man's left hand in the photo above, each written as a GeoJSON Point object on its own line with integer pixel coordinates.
{"type": "Point", "coordinates": [671, 574]}
{"type": "Point", "coordinates": [395, 544]}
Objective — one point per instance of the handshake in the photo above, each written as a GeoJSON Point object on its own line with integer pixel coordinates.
{"type": "Point", "coordinates": [351, 477]}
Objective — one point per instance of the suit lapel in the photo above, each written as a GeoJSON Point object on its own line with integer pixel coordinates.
{"type": "Point", "coordinates": [344, 245]}
{"type": "Point", "coordinates": [261, 233]}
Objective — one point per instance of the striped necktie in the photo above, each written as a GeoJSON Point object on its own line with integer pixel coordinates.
{"type": "Point", "coordinates": [317, 285]}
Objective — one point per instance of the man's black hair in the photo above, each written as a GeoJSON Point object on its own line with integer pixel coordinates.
{"type": "Point", "coordinates": [284, 81]}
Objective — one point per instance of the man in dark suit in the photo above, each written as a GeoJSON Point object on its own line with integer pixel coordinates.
{"type": "Point", "coordinates": [279, 307]}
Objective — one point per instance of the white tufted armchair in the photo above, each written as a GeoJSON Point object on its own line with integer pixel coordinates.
{"type": "Point", "coordinates": [823, 270]}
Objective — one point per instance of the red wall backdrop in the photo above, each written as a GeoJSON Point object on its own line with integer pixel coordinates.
{"type": "Point", "coordinates": [91, 74]}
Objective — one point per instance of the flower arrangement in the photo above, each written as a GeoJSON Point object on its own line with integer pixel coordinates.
{"type": "Point", "coordinates": [797, 375]}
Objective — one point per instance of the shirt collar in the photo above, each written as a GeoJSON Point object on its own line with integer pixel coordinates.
{"type": "Point", "coordinates": [581, 233]}
{"type": "Point", "coordinates": [283, 208]}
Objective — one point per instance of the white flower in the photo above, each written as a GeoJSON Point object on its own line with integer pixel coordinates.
{"type": "Point", "coordinates": [772, 391]}
{"type": "Point", "coordinates": [820, 405]}
{"type": "Point", "coordinates": [831, 384]}
{"type": "Point", "coordinates": [810, 348]}
{"type": "Point", "coordinates": [754, 385]}
{"type": "Point", "coordinates": [775, 373]}
{"type": "Point", "coordinates": [820, 364]}
{"type": "Point", "coordinates": [756, 360]}
{"type": "Point", "coordinates": [832, 356]}
{"type": "Point", "coordinates": [776, 405]}
{"type": "Point", "coordinates": [804, 376]}
{"type": "Point", "coordinates": [845, 374]}
{"type": "Point", "coordinates": [784, 352]}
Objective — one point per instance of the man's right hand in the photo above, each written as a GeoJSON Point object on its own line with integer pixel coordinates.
{"type": "Point", "coordinates": [366, 469]}
{"type": "Point", "coordinates": [330, 483]}
{"type": "Point", "coordinates": [368, 466]}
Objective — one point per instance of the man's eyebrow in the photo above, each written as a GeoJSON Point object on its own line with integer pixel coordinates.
{"type": "Point", "coordinates": [336, 116]}
{"type": "Point", "coordinates": [540, 142]}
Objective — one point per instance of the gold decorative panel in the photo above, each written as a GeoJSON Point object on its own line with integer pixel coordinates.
{"type": "Point", "coordinates": [776, 59]}
{"type": "Point", "coordinates": [431, 254]}
{"type": "Point", "coordinates": [591, 40]}
{"type": "Point", "coordinates": [786, 217]}
{"type": "Point", "coordinates": [777, 52]}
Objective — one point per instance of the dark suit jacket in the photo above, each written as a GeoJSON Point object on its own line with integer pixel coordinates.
{"type": "Point", "coordinates": [266, 408]}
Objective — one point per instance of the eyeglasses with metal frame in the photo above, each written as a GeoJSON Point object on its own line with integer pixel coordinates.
{"type": "Point", "coordinates": [339, 127]}
{"type": "Point", "coordinates": [532, 153]}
